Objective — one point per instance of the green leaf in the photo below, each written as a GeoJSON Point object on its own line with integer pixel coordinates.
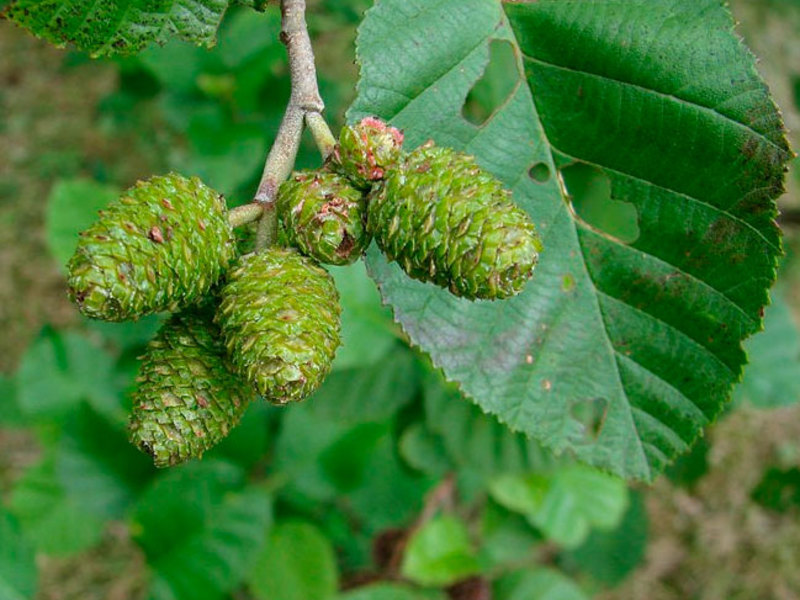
{"type": "Point", "coordinates": [71, 207]}
{"type": "Point", "coordinates": [97, 467]}
{"type": "Point", "coordinates": [179, 504]}
{"type": "Point", "coordinates": [355, 457]}
{"type": "Point", "coordinates": [372, 393]}
{"type": "Point", "coordinates": [440, 553]}
{"type": "Point", "coordinates": [216, 559]}
{"type": "Point", "coordinates": [383, 591]}
{"type": "Point", "coordinates": [474, 440]}
{"type": "Point", "coordinates": [619, 352]}
{"type": "Point", "coordinates": [367, 329]}
{"type": "Point", "coordinates": [201, 529]}
{"type": "Point", "coordinates": [297, 563]}
{"type": "Point", "coordinates": [54, 522]}
{"type": "Point", "coordinates": [566, 504]}
{"type": "Point", "coordinates": [609, 556]}
{"type": "Point", "coordinates": [772, 379]}
{"type": "Point", "coordinates": [17, 561]}
{"type": "Point", "coordinates": [58, 371]}
{"type": "Point", "coordinates": [506, 538]}
{"type": "Point", "coordinates": [10, 414]}
{"type": "Point", "coordinates": [118, 26]}
{"type": "Point", "coordinates": [540, 584]}
{"type": "Point", "coordinates": [128, 334]}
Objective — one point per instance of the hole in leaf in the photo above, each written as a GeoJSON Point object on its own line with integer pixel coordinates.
{"type": "Point", "coordinates": [591, 415]}
{"type": "Point", "coordinates": [589, 190]}
{"type": "Point", "coordinates": [539, 172]}
{"type": "Point", "coordinates": [495, 85]}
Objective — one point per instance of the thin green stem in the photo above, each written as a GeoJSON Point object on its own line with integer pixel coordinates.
{"type": "Point", "coordinates": [323, 137]}
{"type": "Point", "coordinates": [247, 213]}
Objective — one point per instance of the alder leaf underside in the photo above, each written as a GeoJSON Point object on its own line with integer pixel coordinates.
{"type": "Point", "coordinates": [663, 99]}
{"type": "Point", "coordinates": [104, 27]}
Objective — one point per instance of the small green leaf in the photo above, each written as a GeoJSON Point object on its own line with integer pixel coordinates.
{"type": "Point", "coordinates": [96, 465]}
{"type": "Point", "coordinates": [540, 584]}
{"type": "Point", "coordinates": [216, 559]}
{"type": "Point", "coordinates": [118, 26]}
{"type": "Point", "coordinates": [58, 371]}
{"type": "Point", "coordinates": [609, 556]}
{"type": "Point", "coordinates": [17, 561]}
{"type": "Point", "coordinates": [71, 207]}
{"type": "Point", "coordinates": [384, 591]}
{"type": "Point", "coordinates": [505, 537]}
{"type": "Point", "coordinates": [440, 553]}
{"type": "Point", "coordinates": [179, 504]}
{"type": "Point", "coordinates": [297, 563]}
{"type": "Point", "coordinates": [10, 414]}
{"type": "Point", "coordinates": [52, 520]}
{"type": "Point", "coordinates": [565, 504]}
{"type": "Point", "coordinates": [373, 392]}
{"type": "Point", "coordinates": [772, 379]}
{"type": "Point", "coordinates": [367, 329]}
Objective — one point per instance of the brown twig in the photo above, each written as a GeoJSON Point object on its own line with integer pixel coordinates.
{"type": "Point", "coordinates": [305, 105]}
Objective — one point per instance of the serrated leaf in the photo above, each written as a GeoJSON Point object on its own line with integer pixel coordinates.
{"type": "Point", "coordinates": [663, 99]}
{"type": "Point", "coordinates": [54, 522]}
{"type": "Point", "coordinates": [17, 561]}
{"type": "Point", "coordinates": [565, 504]}
{"type": "Point", "coordinates": [297, 563]}
{"type": "Point", "coordinates": [440, 553]}
{"type": "Point", "coordinates": [474, 440]}
{"type": "Point", "coordinates": [118, 26]}
{"type": "Point", "coordinates": [773, 377]}
{"type": "Point", "coordinates": [71, 207]}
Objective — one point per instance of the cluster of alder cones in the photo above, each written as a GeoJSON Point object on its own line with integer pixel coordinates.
{"type": "Point", "coordinates": [267, 322]}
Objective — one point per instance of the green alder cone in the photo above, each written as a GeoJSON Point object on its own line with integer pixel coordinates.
{"type": "Point", "coordinates": [447, 221]}
{"type": "Point", "coordinates": [279, 317]}
{"type": "Point", "coordinates": [367, 151]}
{"type": "Point", "coordinates": [187, 399]}
{"type": "Point", "coordinates": [161, 246]}
{"type": "Point", "coordinates": [323, 216]}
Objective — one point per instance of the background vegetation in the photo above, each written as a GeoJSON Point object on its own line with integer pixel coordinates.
{"type": "Point", "coordinates": [386, 475]}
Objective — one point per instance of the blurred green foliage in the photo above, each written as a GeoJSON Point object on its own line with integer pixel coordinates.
{"type": "Point", "coordinates": [387, 473]}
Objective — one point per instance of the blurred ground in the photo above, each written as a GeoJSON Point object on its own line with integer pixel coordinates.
{"type": "Point", "coordinates": [711, 542]}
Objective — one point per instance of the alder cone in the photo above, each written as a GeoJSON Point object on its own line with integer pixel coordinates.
{"type": "Point", "coordinates": [187, 399]}
{"type": "Point", "coordinates": [323, 216]}
{"type": "Point", "coordinates": [279, 317]}
{"type": "Point", "coordinates": [161, 246]}
{"type": "Point", "coordinates": [367, 151]}
{"type": "Point", "coordinates": [447, 221]}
